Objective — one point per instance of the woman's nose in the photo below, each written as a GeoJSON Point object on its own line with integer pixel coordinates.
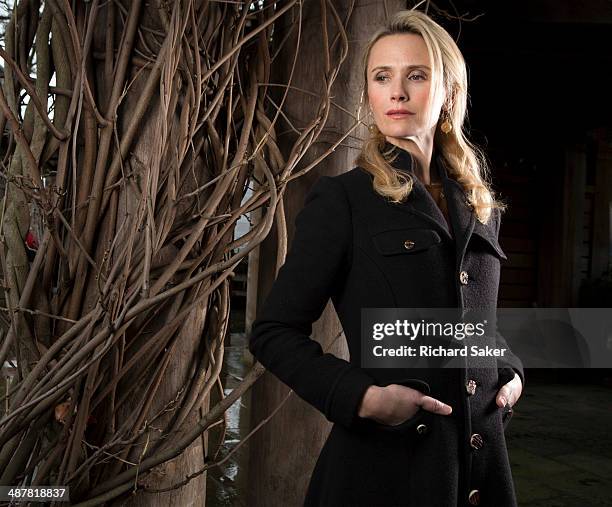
{"type": "Point", "coordinates": [398, 93]}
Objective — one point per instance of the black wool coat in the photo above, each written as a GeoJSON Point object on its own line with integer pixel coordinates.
{"type": "Point", "coordinates": [349, 246]}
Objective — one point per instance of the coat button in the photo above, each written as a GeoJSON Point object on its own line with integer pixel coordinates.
{"type": "Point", "coordinates": [408, 244]}
{"type": "Point", "coordinates": [476, 441]}
{"type": "Point", "coordinates": [463, 277]}
{"type": "Point", "coordinates": [470, 387]}
{"type": "Point", "coordinates": [474, 497]}
{"type": "Point", "coordinates": [422, 429]}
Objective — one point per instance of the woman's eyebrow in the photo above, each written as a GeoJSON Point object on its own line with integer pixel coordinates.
{"type": "Point", "coordinates": [409, 67]}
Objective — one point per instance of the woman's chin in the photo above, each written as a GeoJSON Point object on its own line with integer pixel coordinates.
{"type": "Point", "coordinates": [400, 135]}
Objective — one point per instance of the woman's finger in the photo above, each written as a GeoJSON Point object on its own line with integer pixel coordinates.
{"type": "Point", "coordinates": [433, 405]}
{"type": "Point", "coordinates": [507, 394]}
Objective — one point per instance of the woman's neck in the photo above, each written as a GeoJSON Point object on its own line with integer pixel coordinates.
{"type": "Point", "coordinates": [422, 155]}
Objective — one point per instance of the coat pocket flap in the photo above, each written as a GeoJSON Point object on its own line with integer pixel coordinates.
{"type": "Point", "coordinates": [410, 424]}
{"type": "Point", "coordinates": [405, 241]}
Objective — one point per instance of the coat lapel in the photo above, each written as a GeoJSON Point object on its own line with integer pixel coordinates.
{"type": "Point", "coordinates": [420, 203]}
{"type": "Point", "coordinates": [464, 219]}
{"type": "Point", "coordinates": [460, 212]}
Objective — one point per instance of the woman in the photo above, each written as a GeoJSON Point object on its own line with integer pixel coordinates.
{"type": "Point", "coordinates": [414, 225]}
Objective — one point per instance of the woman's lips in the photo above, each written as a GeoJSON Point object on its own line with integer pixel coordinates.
{"type": "Point", "coordinates": [399, 116]}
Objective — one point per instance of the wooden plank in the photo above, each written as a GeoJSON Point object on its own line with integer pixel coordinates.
{"type": "Point", "coordinates": [573, 223]}
{"type": "Point", "coordinates": [585, 265]}
{"type": "Point", "coordinates": [602, 209]}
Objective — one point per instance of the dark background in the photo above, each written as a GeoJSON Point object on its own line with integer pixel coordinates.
{"type": "Point", "coordinates": [540, 81]}
{"type": "Point", "coordinates": [540, 106]}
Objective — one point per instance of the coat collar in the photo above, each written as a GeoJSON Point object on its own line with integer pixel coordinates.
{"type": "Point", "coordinates": [421, 204]}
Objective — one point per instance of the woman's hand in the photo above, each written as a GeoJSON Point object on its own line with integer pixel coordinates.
{"type": "Point", "coordinates": [510, 392]}
{"type": "Point", "coordinates": [395, 404]}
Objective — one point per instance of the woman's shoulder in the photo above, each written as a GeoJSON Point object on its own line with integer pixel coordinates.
{"type": "Point", "coordinates": [352, 189]}
{"type": "Point", "coordinates": [357, 173]}
{"type": "Point", "coordinates": [355, 183]}
{"type": "Point", "coordinates": [354, 179]}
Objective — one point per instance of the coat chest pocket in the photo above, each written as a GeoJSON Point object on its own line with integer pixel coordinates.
{"type": "Point", "coordinates": [405, 241]}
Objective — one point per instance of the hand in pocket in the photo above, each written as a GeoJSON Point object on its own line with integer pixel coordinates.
{"type": "Point", "coordinates": [395, 404]}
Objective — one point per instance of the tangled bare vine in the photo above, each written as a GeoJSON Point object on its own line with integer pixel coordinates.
{"type": "Point", "coordinates": [133, 134]}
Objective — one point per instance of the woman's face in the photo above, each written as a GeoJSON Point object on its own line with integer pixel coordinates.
{"type": "Point", "coordinates": [399, 78]}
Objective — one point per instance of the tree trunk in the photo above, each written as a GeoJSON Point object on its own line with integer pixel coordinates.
{"type": "Point", "coordinates": [182, 352]}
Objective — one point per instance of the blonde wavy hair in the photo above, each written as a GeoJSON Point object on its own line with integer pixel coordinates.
{"type": "Point", "coordinates": [465, 161]}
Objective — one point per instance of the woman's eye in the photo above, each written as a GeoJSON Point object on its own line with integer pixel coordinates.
{"type": "Point", "coordinates": [412, 77]}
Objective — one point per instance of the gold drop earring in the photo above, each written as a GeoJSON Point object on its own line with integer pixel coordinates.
{"type": "Point", "coordinates": [446, 125]}
{"type": "Point", "coordinates": [371, 126]}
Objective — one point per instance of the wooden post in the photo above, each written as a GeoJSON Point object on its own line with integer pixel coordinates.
{"type": "Point", "coordinates": [284, 451]}
{"type": "Point", "coordinates": [602, 230]}
{"type": "Point", "coordinates": [573, 222]}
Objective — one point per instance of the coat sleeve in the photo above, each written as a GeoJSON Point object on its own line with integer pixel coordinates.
{"type": "Point", "coordinates": [314, 269]}
{"type": "Point", "coordinates": [510, 363]}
